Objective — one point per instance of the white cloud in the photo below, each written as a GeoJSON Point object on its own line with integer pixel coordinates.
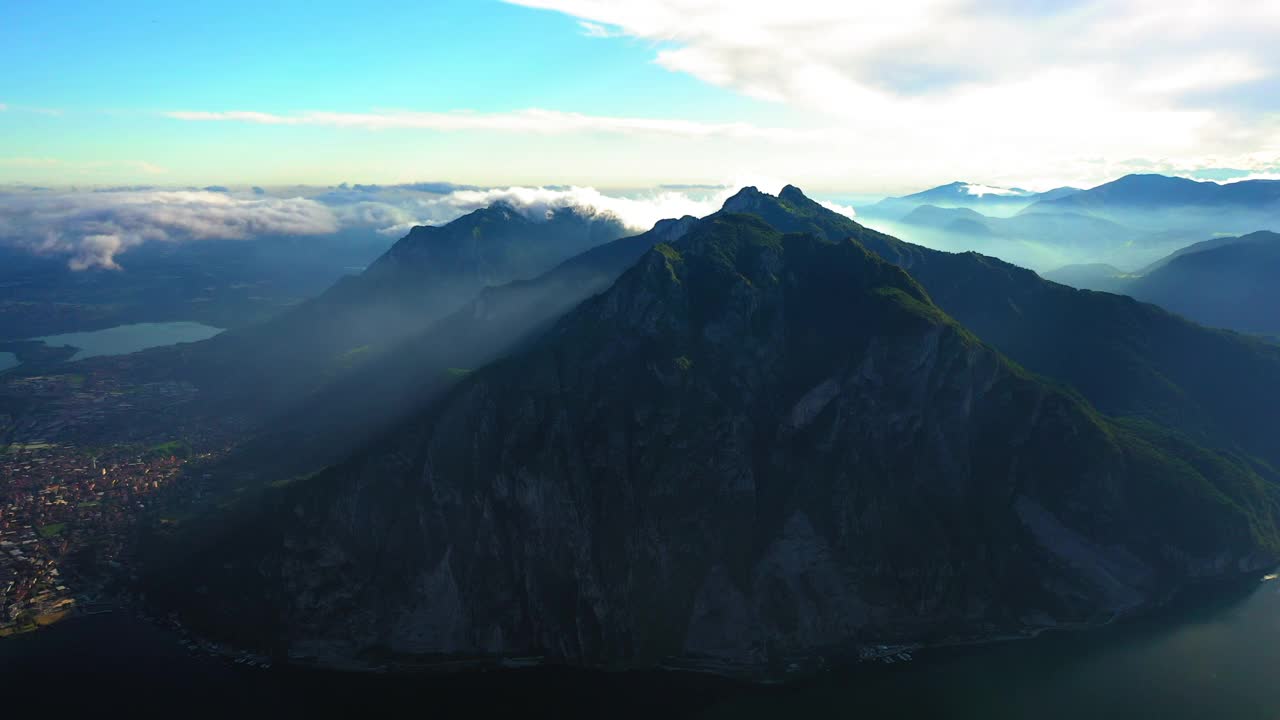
{"type": "Point", "coordinates": [532, 120]}
{"type": "Point", "coordinates": [1253, 176]}
{"type": "Point", "coordinates": [981, 190]}
{"type": "Point", "coordinates": [1026, 93]}
{"type": "Point", "coordinates": [1207, 73]}
{"type": "Point", "coordinates": [394, 210]}
{"type": "Point", "coordinates": [844, 210]}
{"type": "Point", "coordinates": [394, 213]}
{"type": "Point", "coordinates": [595, 30]}
{"type": "Point", "coordinates": [91, 229]}
{"type": "Point", "coordinates": [638, 213]}
{"type": "Point", "coordinates": [94, 228]}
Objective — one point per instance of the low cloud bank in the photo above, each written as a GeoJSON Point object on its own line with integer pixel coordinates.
{"type": "Point", "coordinates": [397, 212]}
{"type": "Point", "coordinates": [982, 190]}
{"type": "Point", "coordinates": [92, 229]}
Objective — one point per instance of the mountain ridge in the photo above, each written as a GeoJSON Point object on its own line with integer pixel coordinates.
{"type": "Point", "coordinates": [427, 274]}
{"type": "Point", "coordinates": [358, 404]}
{"type": "Point", "coordinates": [1158, 191]}
{"type": "Point", "coordinates": [1223, 282]}
{"type": "Point", "coordinates": [965, 195]}
{"type": "Point", "coordinates": [757, 443]}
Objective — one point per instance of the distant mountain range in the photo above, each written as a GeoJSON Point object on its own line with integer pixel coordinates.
{"type": "Point", "coordinates": [1129, 192]}
{"type": "Point", "coordinates": [990, 200]}
{"type": "Point", "coordinates": [1225, 282]}
{"type": "Point", "coordinates": [1156, 203]}
{"type": "Point", "coordinates": [1072, 233]}
{"type": "Point", "coordinates": [778, 433]}
{"type": "Point", "coordinates": [1128, 223]}
{"type": "Point", "coordinates": [1147, 192]}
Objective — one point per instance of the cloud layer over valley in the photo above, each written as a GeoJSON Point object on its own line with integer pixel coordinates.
{"type": "Point", "coordinates": [393, 210]}
{"type": "Point", "coordinates": [92, 228]}
{"type": "Point", "coordinates": [95, 229]}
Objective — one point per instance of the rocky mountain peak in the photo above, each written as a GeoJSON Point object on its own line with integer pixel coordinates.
{"type": "Point", "coordinates": [791, 193]}
{"type": "Point", "coordinates": [744, 200]}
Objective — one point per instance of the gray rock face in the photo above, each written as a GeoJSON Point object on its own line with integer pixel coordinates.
{"type": "Point", "coordinates": [1113, 570]}
{"type": "Point", "coordinates": [753, 445]}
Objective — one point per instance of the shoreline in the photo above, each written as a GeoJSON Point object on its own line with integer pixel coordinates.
{"type": "Point", "coordinates": [123, 657]}
{"type": "Point", "coordinates": [781, 671]}
{"type": "Point", "coordinates": [37, 353]}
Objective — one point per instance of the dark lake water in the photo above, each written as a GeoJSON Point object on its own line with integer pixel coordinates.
{"type": "Point", "coordinates": [1215, 656]}
{"type": "Point", "coordinates": [8, 360]}
{"type": "Point", "coordinates": [125, 339]}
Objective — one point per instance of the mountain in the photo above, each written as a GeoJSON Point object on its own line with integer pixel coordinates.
{"type": "Point", "coordinates": [1056, 193]}
{"type": "Point", "coordinates": [1126, 357]}
{"type": "Point", "coordinates": [1160, 191]}
{"type": "Point", "coordinates": [1129, 222]}
{"type": "Point", "coordinates": [1222, 284]}
{"type": "Point", "coordinates": [348, 405]}
{"type": "Point", "coordinates": [1262, 237]}
{"type": "Point", "coordinates": [962, 221]}
{"type": "Point", "coordinates": [1026, 228]}
{"type": "Point", "coordinates": [361, 402]}
{"type": "Point", "coordinates": [989, 200]}
{"type": "Point", "coordinates": [1057, 234]}
{"type": "Point", "coordinates": [1157, 202]}
{"type": "Point", "coordinates": [490, 246]}
{"type": "Point", "coordinates": [424, 276]}
{"type": "Point", "coordinates": [768, 439]}
{"type": "Point", "coordinates": [1225, 282]}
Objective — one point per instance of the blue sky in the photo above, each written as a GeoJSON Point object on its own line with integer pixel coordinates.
{"type": "Point", "coordinates": [855, 97]}
{"type": "Point", "coordinates": [281, 56]}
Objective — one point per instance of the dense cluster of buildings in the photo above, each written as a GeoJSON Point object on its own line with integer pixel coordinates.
{"type": "Point", "coordinates": [31, 586]}
{"type": "Point", "coordinates": [57, 502]}
{"type": "Point", "coordinates": [82, 456]}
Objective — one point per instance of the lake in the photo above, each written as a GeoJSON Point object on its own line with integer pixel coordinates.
{"type": "Point", "coordinates": [8, 360]}
{"type": "Point", "coordinates": [125, 339]}
{"type": "Point", "coordinates": [1214, 656]}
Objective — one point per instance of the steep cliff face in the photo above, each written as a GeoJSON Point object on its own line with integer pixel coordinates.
{"type": "Point", "coordinates": [752, 445]}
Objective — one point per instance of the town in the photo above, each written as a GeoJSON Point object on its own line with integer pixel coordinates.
{"type": "Point", "coordinates": [77, 476]}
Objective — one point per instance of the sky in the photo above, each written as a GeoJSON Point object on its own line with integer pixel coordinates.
{"type": "Point", "coordinates": [853, 97]}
